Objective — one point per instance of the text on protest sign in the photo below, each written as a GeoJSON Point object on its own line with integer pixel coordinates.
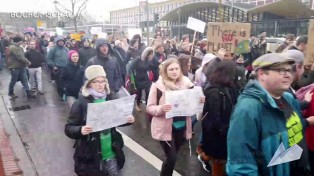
{"type": "Point", "coordinates": [101, 116]}
{"type": "Point", "coordinates": [184, 102]}
{"type": "Point", "coordinates": [196, 25]}
{"type": "Point", "coordinates": [234, 37]}
{"type": "Point", "coordinates": [309, 59]}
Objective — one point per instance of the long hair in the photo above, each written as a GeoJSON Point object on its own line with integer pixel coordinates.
{"type": "Point", "coordinates": [137, 36]}
{"type": "Point", "coordinates": [184, 60]}
{"type": "Point", "coordinates": [224, 74]}
{"type": "Point", "coordinates": [165, 65]}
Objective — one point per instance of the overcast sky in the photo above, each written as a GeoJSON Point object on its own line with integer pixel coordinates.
{"type": "Point", "coordinates": [95, 8]}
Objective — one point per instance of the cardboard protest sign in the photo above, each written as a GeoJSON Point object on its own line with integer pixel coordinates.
{"type": "Point", "coordinates": [309, 58]}
{"type": "Point", "coordinates": [196, 25]}
{"type": "Point", "coordinates": [234, 37]}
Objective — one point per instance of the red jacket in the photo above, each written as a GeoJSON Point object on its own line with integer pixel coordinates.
{"type": "Point", "coordinates": [309, 133]}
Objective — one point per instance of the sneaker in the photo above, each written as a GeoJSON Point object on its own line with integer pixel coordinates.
{"type": "Point", "coordinates": [12, 95]}
{"type": "Point", "coordinates": [138, 108]}
{"type": "Point", "coordinates": [53, 82]}
{"type": "Point", "coordinates": [205, 164]}
{"type": "Point", "coordinates": [41, 92]}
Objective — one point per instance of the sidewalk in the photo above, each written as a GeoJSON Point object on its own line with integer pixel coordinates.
{"type": "Point", "coordinates": [13, 153]}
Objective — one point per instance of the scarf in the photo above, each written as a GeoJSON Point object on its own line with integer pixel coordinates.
{"type": "Point", "coordinates": [179, 85]}
{"type": "Point", "coordinates": [96, 94]}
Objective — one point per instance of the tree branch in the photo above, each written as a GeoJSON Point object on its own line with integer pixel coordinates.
{"type": "Point", "coordinates": [81, 8]}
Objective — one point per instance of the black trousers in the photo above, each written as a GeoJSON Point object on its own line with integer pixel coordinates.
{"type": "Point", "coordinates": [59, 81]}
{"type": "Point", "coordinates": [311, 158]}
{"type": "Point", "coordinates": [171, 152]}
{"type": "Point", "coordinates": [139, 94]}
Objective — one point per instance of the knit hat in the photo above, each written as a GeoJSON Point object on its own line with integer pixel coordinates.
{"type": "Point", "coordinates": [17, 39]}
{"type": "Point", "coordinates": [91, 73]}
{"type": "Point", "coordinates": [86, 39]}
{"type": "Point", "coordinates": [70, 53]}
{"type": "Point", "coordinates": [271, 59]}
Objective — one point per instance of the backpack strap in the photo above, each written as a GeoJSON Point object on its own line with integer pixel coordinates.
{"type": "Point", "coordinates": [159, 94]}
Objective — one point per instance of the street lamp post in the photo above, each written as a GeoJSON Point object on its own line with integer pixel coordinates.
{"type": "Point", "coordinates": [231, 10]}
{"type": "Point", "coordinates": [147, 21]}
{"type": "Point", "coordinates": [179, 22]}
{"type": "Point", "coordinates": [56, 9]}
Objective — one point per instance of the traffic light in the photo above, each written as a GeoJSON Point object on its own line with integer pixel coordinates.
{"type": "Point", "coordinates": [156, 18]}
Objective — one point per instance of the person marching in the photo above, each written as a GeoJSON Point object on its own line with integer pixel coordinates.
{"type": "Point", "coordinates": [57, 58]}
{"type": "Point", "coordinates": [172, 132]}
{"type": "Point", "coordinates": [143, 75]}
{"type": "Point", "coordinates": [221, 97]}
{"type": "Point", "coordinates": [95, 153]}
{"type": "Point", "coordinates": [72, 75]}
{"type": "Point", "coordinates": [35, 70]}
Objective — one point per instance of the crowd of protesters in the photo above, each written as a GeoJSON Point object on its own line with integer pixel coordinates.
{"type": "Point", "coordinates": [253, 102]}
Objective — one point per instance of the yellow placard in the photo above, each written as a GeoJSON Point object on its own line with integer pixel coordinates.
{"type": "Point", "coordinates": [76, 36]}
{"type": "Point", "coordinates": [234, 37]}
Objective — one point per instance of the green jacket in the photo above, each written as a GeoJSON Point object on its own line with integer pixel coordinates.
{"type": "Point", "coordinates": [16, 57]}
{"type": "Point", "coordinates": [257, 128]}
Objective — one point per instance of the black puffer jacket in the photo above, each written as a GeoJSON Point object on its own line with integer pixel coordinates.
{"type": "Point", "coordinates": [85, 54]}
{"type": "Point", "coordinates": [73, 79]}
{"type": "Point", "coordinates": [87, 155]}
{"type": "Point", "coordinates": [219, 103]}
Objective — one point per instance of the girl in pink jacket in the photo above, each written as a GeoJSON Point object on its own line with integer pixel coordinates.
{"type": "Point", "coordinates": [172, 132]}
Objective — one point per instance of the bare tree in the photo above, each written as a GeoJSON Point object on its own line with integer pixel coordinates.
{"type": "Point", "coordinates": [71, 9]}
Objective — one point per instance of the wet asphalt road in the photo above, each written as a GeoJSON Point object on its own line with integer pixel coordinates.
{"type": "Point", "coordinates": [42, 132]}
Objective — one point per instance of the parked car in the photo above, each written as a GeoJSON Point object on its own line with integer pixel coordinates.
{"type": "Point", "coordinates": [274, 43]}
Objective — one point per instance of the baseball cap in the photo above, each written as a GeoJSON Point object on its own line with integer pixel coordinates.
{"type": "Point", "coordinates": [271, 59]}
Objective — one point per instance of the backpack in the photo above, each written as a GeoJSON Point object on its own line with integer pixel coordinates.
{"type": "Point", "coordinates": [159, 94]}
{"type": "Point", "coordinates": [130, 78]}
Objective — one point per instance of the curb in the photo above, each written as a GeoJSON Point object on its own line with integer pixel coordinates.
{"type": "Point", "coordinates": [16, 152]}
{"type": "Point", "coordinates": [8, 161]}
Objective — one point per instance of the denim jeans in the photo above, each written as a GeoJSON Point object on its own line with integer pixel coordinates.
{"type": "Point", "coordinates": [18, 74]}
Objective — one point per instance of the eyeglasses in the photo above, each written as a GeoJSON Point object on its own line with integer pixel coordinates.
{"type": "Point", "coordinates": [281, 71]}
{"type": "Point", "coordinates": [98, 82]}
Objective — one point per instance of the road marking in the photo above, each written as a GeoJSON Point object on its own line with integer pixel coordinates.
{"type": "Point", "coordinates": [143, 153]}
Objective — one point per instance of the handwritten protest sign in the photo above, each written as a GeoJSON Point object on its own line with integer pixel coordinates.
{"type": "Point", "coordinates": [184, 102]}
{"type": "Point", "coordinates": [234, 37]}
{"type": "Point", "coordinates": [101, 116]}
{"type": "Point", "coordinates": [196, 25]}
{"type": "Point", "coordinates": [309, 59]}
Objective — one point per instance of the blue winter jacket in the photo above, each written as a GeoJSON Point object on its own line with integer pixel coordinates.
{"type": "Point", "coordinates": [257, 128]}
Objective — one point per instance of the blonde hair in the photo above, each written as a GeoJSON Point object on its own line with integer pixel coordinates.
{"type": "Point", "coordinates": [164, 65]}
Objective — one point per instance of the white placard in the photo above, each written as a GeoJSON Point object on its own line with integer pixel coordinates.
{"type": "Point", "coordinates": [101, 116]}
{"type": "Point", "coordinates": [196, 25]}
{"type": "Point", "coordinates": [184, 102]}
{"type": "Point", "coordinates": [96, 30]}
{"type": "Point", "coordinates": [134, 31]}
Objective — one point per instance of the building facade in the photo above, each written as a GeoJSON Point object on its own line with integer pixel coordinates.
{"type": "Point", "coordinates": [132, 15]}
{"type": "Point", "coordinates": [309, 3]}
{"type": "Point", "coordinates": [263, 15]}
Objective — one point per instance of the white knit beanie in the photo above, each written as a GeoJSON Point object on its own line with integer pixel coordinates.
{"type": "Point", "coordinates": [91, 73]}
